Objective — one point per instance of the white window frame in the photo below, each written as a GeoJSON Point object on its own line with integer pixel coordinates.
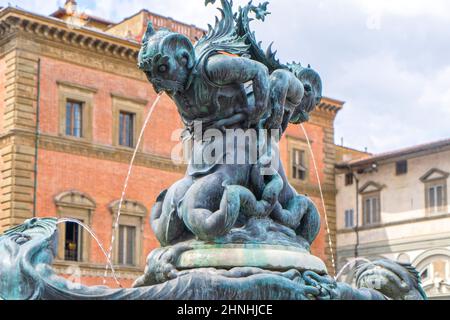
{"type": "Point", "coordinates": [432, 204]}
{"type": "Point", "coordinates": [371, 198]}
{"type": "Point", "coordinates": [351, 213]}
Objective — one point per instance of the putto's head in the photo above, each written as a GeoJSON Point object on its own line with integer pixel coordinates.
{"type": "Point", "coordinates": [312, 84]}
{"type": "Point", "coordinates": [167, 59]}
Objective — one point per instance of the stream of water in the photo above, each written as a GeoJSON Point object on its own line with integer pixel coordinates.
{"type": "Point", "coordinates": [330, 241]}
{"type": "Point", "coordinates": [124, 190]}
{"type": "Point", "coordinates": [93, 235]}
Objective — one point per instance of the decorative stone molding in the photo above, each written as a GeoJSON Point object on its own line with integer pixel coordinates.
{"type": "Point", "coordinates": [396, 223]}
{"type": "Point", "coordinates": [370, 187]}
{"type": "Point", "coordinates": [93, 150]}
{"type": "Point", "coordinates": [76, 86]}
{"type": "Point", "coordinates": [130, 105]}
{"type": "Point", "coordinates": [58, 40]}
{"type": "Point", "coordinates": [129, 207]}
{"type": "Point", "coordinates": [301, 145]}
{"type": "Point", "coordinates": [85, 96]}
{"type": "Point", "coordinates": [14, 19]}
{"type": "Point", "coordinates": [389, 247]}
{"type": "Point", "coordinates": [421, 259]}
{"type": "Point", "coordinates": [331, 105]}
{"type": "Point", "coordinates": [76, 205]}
{"type": "Point", "coordinates": [435, 178]}
{"type": "Point", "coordinates": [98, 151]}
{"type": "Point", "coordinates": [433, 175]}
{"type": "Point", "coordinates": [132, 214]}
{"type": "Point", "coordinates": [75, 199]}
{"type": "Point", "coordinates": [134, 100]}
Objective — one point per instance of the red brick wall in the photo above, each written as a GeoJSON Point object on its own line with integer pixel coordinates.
{"type": "Point", "coordinates": [157, 138]}
{"type": "Point", "coordinates": [103, 181]}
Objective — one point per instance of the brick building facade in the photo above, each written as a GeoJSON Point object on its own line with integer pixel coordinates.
{"type": "Point", "coordinates": [72, 102]}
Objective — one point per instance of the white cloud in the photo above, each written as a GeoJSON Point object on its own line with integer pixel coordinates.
{"type": "Point", "coordinates": [406, 106]}
{"type": "Point", "coordinates": [436, 93]}
{"type": "Point", "coordinates": [41, 7]}
{"type": "Point", "coordinates": [409, 8]}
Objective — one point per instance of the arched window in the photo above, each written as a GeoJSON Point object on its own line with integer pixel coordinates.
{"type": "Point", "coordinates": [434, 269]}
{"type": "Point", "coordinates": [129, 232]}
{"type": "Point", "coordinates": [74, 241]}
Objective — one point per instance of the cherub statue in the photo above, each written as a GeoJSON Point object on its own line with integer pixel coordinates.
{"type": "Point", "coordinates": [223, 85]}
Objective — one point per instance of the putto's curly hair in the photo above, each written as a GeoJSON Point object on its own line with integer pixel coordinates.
{"type": "Point", "coordinates": [157, 44]}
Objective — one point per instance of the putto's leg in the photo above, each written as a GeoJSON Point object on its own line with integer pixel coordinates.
{"type": "Point", "coordinates": [296, 211]}
{"type": "Point", "coordinates": [164, 219]}
{"type": "Point", "coordinates": [285, 89]}
{"type": "Point", "coordinates": [301, 215]}
{"type": "Point", "coordinates": [208, 209]}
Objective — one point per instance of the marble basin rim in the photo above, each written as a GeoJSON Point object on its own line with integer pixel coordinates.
{"type": "Point", "coordinates": [268, 257]}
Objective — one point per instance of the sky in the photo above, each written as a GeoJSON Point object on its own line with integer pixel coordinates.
{"type": "Point", "coordinates": [389, 60]}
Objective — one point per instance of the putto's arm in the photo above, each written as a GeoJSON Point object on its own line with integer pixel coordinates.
{"type": "Point", "coordinates": [225, 70]}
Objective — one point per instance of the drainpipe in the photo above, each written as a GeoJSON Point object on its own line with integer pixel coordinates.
{"type": "Point", "coordinates": [356, 210]}
{"type": "Point", "coordinates": [37, 133]}
{"type": "Point", "coordinates": [357, 215]}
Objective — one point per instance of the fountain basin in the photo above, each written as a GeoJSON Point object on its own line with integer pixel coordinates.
{"type": "Point", "coordinates": [268, 257]}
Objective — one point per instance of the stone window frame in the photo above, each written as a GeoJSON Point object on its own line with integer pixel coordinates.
{"type": "Point", "coordinates": [433, 184]}
{"type": "Point", "coordinates": [374, 192]}
{"type": "Point", "coordinates": [350, 212]}
{"type": "Point", "coordinates": [135, 106]}
{"type": "Point", "coordinates": [76, 205]}
{"type": "Point", "coordinates": [298, 144]}
{"type": "Point", "coordinates": [441, 180]}
{"type": "Point", "coordinates": [133, 214]}
{"type": "Point", "coordinates": [371, 195]}
{"type": "Point", "coordinates": [85, 95]}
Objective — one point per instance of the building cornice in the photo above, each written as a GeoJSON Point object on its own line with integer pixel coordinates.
{"type": "Point", "coordinates": [407, 153]}
{"type": "Point", "coordinates": [99, 151]}
{"type": "Point", "coordinates": [396, 245]}
{"type": "Point", "coordinates": [13, 20]}
{"type": "Point", "coordinates": [330, 105]}
{"type": "Point", "coordinates": [76, 86]}
{"type": "Point", "coordinates": [382, 226]}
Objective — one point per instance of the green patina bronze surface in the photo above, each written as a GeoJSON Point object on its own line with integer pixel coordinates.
{"type": "Point", "coordinates": [228, 230]}
{"type": "Point", "coordinates": [274, 258]}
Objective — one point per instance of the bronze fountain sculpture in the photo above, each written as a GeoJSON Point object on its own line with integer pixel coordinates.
{"type": "Point", "coordinates": [233, 227]}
